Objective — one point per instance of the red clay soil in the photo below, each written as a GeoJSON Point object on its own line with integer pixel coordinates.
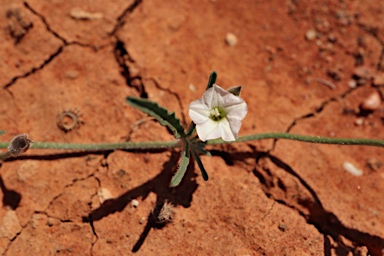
{"type": "Point", "coordinates": [307, 67]}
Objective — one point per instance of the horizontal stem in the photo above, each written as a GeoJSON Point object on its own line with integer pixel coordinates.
{"type": "Point", "coordinates": [175, 143]}
{"type": "Point", "coordinates": [102, 146]}
{"type": "Point", "coordinates": [304, 138]}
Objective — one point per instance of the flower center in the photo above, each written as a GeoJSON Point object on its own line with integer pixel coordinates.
{"type": "Point", "coordinates": [217, 114]}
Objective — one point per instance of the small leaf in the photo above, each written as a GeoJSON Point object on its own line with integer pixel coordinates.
{"type": "Point", "coordinates": [212, 79]}
{"type": "Point", "coordinates": [200, 164]}
{"type": "Point", "coordinates": [2, 132]}
{"type": "Point", "coordinates": [176, 179]}
{"type": "Point", "coordinates": [236, 90]}
{"type": "Point", "coordinates": [191, 129]}
{"type": "Point", "coordinates": [199, 147]}
{"type": "Point", "coordinates": [160, 113]}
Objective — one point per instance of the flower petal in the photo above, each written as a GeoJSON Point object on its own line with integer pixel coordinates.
{"type": "Point", "coordinates": [198, 111]}
{"type": "Point", "coordinates": [226, 132]}
{"type": "Point", "coordinates": [235, 127]}
{"type": "Point", "coordinates": [208, 130]}
{"type": "Point", "coordinates": [238, 111]}
{"type": "Point", "coordinates": [228, 127]}
{"type": "Point", "coordinates": [208, 97]}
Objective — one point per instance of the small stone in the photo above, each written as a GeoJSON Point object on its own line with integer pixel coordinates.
{"type": "Point", "coordinates": [71, 74]}
{"type": "Point", "coordinates": [231, 39]}
{"type": "Point", "coordinates": [78, 14]}
{"type": "Point", "coordinates": [372, 102]}
{"type": "Point", "coordinates": [352, 83]}
{"type": "Point", "coordinates": [352, 169]}
{"type": "Point", "coordinates": [378, 80]}
{"type": "Point", "coordinates": [192, 87]}
{"type": "Point", "coordinates": [282, 227]}
{"type": "Point", "coordinates": [362, 72]}
{"type": "Point", "coordinates": [335, 74]}
{"type": "Point", "coordinates": [332, 38]}
{"type": "Point", "coordinates": [374, 164]}
{"type": "Point", "coordinates": [359, 121]}
{"type": "Point", "coordinates": [311, 34]}
{"type": "Point", "coordinates": [142, 220]}
{"type": "Point", "coordinates": [104, 194]}
{"type": "Point", "coordinates": [10, 225]}
{"type": "Point", "coordinates": [134, 203]}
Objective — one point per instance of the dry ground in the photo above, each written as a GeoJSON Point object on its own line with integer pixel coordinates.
{"type": "Point", "coordinates": [306, 67]}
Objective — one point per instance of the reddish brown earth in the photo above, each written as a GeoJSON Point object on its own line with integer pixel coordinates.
{"type": "Point", "coordinates": [297, 61]}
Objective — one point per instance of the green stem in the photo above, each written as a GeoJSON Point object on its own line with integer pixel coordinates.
{"type": "Point", "coordinates": [102, 146]}
{"type": "Point", "coordinates": [175, 143]}
{"type": "Point", "coordinates": [4, 155]}
{"type": "Point", "coordinates": [304, 138]}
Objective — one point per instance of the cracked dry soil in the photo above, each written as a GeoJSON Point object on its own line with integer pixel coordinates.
{"type": "Point", "coordinates": [306, 67]}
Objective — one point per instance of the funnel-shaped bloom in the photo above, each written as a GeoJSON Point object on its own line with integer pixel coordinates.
{"type": "Point", "coordinates": [218, 114]}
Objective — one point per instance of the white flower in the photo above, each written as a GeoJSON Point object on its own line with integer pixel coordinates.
{"type": "Point", "coordinates": [218, 114]}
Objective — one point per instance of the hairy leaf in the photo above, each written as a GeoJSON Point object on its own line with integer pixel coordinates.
{"type": "Point", "coordinates": [176, 179]}
{"type": "Point", "coordinates": [2, 132]}
{"type": "Point", "coordinates": [160, 113]}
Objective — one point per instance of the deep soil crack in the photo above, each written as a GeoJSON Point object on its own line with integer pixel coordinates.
{"type": "Point", "coordinates": [124, 60]}
{"type": "Point", "coordinates": [121, 18]}
{"type": "Point", "coordinates": [308, 205]}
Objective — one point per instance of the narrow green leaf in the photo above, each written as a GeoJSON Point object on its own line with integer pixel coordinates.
{"type": "Point", "coordinates": [212, 79]}
{"type": "Point", "coordinates": [160, 113]}
{"type": "Point", "coordinates": [200, 164]}
{"type": "Point", "coordinates": [199, 147]}
{"type": "Point", "coordinates": [2, 132]}
{"type": "Point", "coordinates": [176, 179]}
{"type": "Point", "coordinates": [191, 129]}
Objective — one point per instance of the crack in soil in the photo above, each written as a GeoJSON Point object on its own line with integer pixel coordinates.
{"type": "Point", "coordinates": [305, 201]}
{"type": "Point", "coordinates": [124, 60]}
{"type": "Point", "coordinates": [374, 33]}
{"type": "Point", "coordinates": [34, 69]}
{"type": "Point", "coordinates": [65, 43]}
{"type": "Point", "coordinates": [327, 223]}
{"type": "Point", "coordinates": [62, 39]}
{"type": "Point", "coordinates": [121, 18]}
{"type": "Point", "coordinates": [74, 181]}
{"type": "Point", "coordinates": [183, 118]}
{"type": "Point", "coordinates": [314, 113]}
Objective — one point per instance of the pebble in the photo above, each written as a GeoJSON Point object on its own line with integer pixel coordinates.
{"type": "Point", "coordinates": [142, 220]}
{"type": "Point", "coordinates": [374, 164]}
{"type": "Point", "coordinates": [359, 121]}
{"type": "Point", "coordinates": [10, 225]}
{"type": "Point", "coordinates": [134, 203]}
{"type": "Point", "coordinates": [311, 34]}
{"type": "Point", "coordinates": [372, 102]}
{"type": "Point", "coordinates": [352, 169]}
{"type": "Point", "coordinates": [352, 83]}
{"type": "Point", "coordinates": [282, 227]}
{"type": "Point", "coordinates": [378, 80]}
{"type": "Point", "coordinates": [362, 72]}
{"type": "Point", "coordinates": [79, 14]}
{"type": "Point", "coordinates": [192, 87]}
{"type": "Point", "coordinates": [71, 74]}
{"type": "Point", "coordinates": [231, 39]}
{"type": "Point", "coordinates": [104, 194]}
